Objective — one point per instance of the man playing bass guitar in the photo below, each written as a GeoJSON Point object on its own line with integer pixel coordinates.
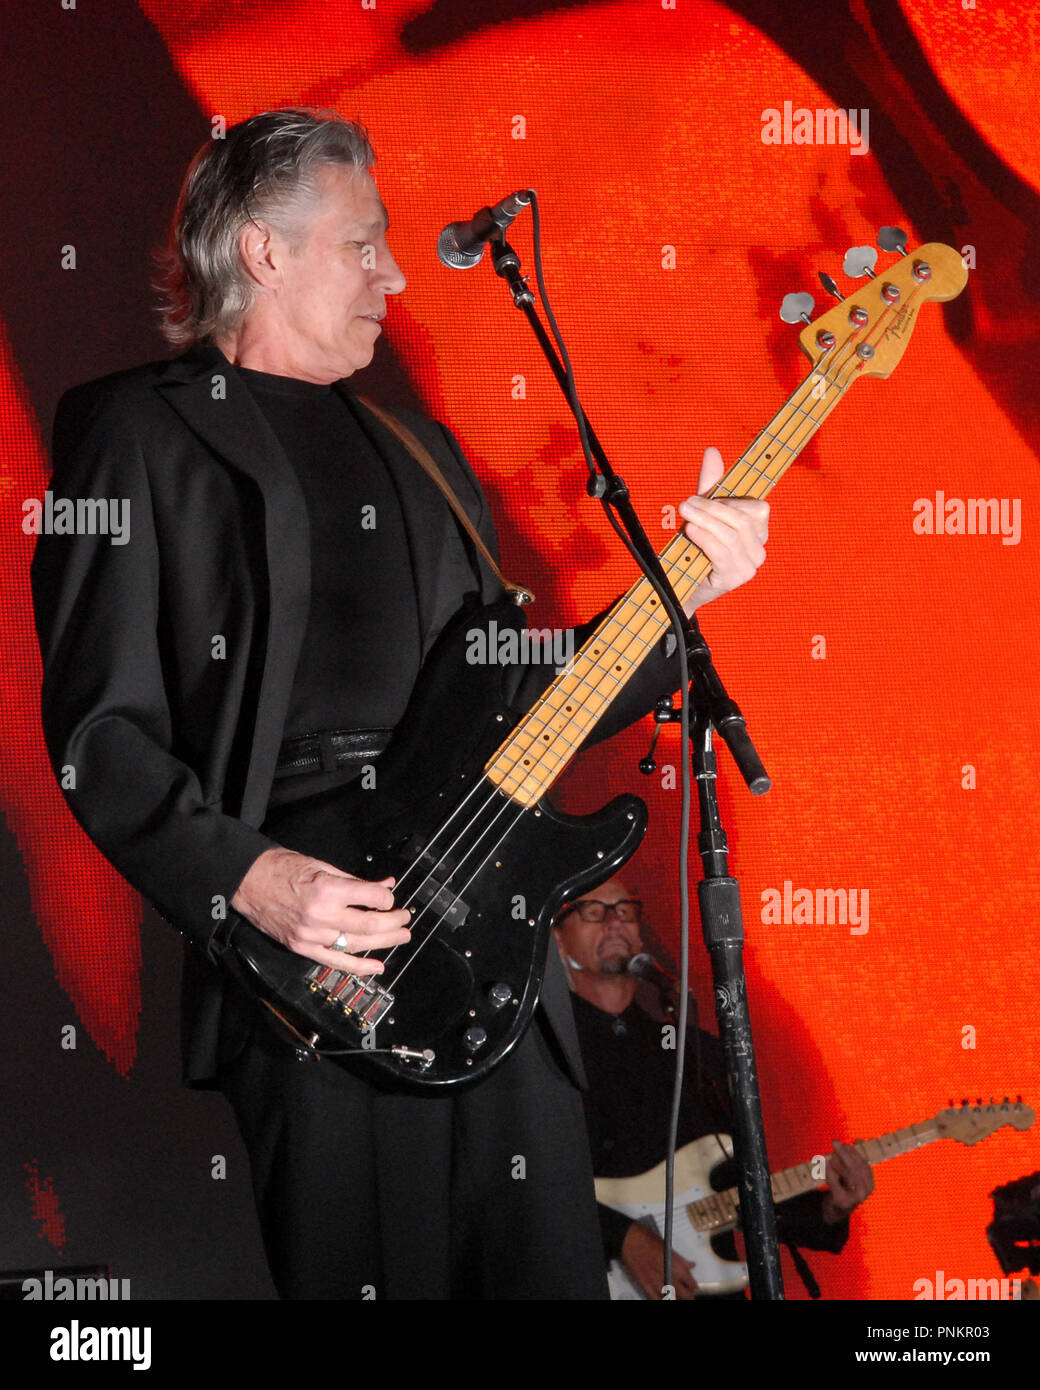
{"type": "Point", "coordinates": [251, 648]}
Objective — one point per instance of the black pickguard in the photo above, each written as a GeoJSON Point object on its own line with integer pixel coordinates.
{"type": "Point", "coordinates": [501, 875]}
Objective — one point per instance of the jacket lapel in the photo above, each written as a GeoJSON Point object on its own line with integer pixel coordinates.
{"type": "Point", "coordinates": [207, 393]}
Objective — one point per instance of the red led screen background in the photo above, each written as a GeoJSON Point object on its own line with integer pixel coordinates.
{"type": "Point", "coordinates": [889, 677]}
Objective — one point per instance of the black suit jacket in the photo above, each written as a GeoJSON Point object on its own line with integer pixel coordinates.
{"type": "Point", "coordinates": [169, 661]}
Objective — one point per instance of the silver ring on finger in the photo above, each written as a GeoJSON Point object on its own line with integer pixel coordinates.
{"type": "Point", "coordinates": [340, 943]}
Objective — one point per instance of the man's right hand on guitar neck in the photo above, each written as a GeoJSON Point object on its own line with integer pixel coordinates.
{"type": "Point", "coordinates": [308, 906]}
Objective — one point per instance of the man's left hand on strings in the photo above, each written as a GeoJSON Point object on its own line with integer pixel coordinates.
{"type": "Point", "coordinates": [732, 532]}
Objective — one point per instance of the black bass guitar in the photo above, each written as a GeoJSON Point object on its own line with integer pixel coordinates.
{"type": "Point", "coordinates": [459, 814]}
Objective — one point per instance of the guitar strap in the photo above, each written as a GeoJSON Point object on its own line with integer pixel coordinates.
{"type": "Point", "coordinates": [519, 593]}
{"type": "Point", "coordinates": [804, 1269]}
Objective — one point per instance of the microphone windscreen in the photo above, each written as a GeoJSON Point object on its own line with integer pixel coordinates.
{"type": "Point", "coordinates": [644, 966]}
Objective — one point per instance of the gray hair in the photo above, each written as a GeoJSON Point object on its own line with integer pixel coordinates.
{"type": "Point", "coordinates": [264, 169]}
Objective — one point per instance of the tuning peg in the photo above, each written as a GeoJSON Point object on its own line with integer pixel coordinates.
{"type": "Point", "coordinates": [892, 239]}
{"type": "Point", "coordinates": [829, 285]}
{"type": "Point", "coordinates": [797, 307]}
{"type": "Point", "coordinates": [859, 261]}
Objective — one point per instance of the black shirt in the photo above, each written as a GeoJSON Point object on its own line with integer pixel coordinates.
{"type": "Point", "coordinates": [631, 1069]}
{"type": "Point", "coordinates": [349, 676]}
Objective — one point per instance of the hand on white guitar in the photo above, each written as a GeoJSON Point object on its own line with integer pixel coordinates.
{"type": "Point", "coordinates": [643, 1254]}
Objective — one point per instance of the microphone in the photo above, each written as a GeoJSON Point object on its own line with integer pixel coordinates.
{"type": "Point", "coordinates": [647, 968]}
{"type": "Point", "coordinates": [461, 244]}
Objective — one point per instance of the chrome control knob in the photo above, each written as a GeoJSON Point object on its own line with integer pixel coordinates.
{"type": "Point", "coordinates": [500, 995]}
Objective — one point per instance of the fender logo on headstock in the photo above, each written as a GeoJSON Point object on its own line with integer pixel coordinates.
{"type": "Point", "coordinates": [903, 320]}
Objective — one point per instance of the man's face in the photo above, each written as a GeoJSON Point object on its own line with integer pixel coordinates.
{"type": "Point", "coordinates": [322, 313]}
{"type": "Point", "coordinates": [600, 947]}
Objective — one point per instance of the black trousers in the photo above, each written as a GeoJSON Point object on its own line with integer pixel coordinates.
{"type": "Point", "coordinates": [484, 1193]}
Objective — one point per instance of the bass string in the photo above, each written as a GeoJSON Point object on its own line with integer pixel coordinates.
{"type": "Point", "coordinates": [438, 863]}
{"type": "Point", "coordinates": [521, 812]}
{"type": "Point", "coordinates": [798, 399]}
{"type": "Point", "coordinates": [441, 829]}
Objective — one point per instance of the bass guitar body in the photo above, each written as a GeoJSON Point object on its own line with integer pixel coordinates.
{"type": "Point", "coordinates": [483, 875]}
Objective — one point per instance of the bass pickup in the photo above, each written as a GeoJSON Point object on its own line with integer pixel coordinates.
{"type": "Point", "coordinates": [448, 906]}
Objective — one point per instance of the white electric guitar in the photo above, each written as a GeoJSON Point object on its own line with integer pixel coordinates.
{"type": "Point", "coordinates": [701, 1213]}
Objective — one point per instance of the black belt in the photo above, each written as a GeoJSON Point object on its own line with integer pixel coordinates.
{"type": "Point", "coordinates": [329, 750]}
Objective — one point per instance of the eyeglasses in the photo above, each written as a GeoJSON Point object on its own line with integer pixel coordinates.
{"type": "Point", "coordinates": [594, 910]}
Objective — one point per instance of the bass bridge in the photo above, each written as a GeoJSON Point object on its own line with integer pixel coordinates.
{"type": "Point", "coordinates": [361, 1000]}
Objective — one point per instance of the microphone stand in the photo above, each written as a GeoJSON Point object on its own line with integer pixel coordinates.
{"type": "Point", "coordinates": [718, 894]}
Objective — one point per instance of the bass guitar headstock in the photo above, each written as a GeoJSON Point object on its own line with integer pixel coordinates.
{"type": "Point", "coordinates": [866, 333]}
